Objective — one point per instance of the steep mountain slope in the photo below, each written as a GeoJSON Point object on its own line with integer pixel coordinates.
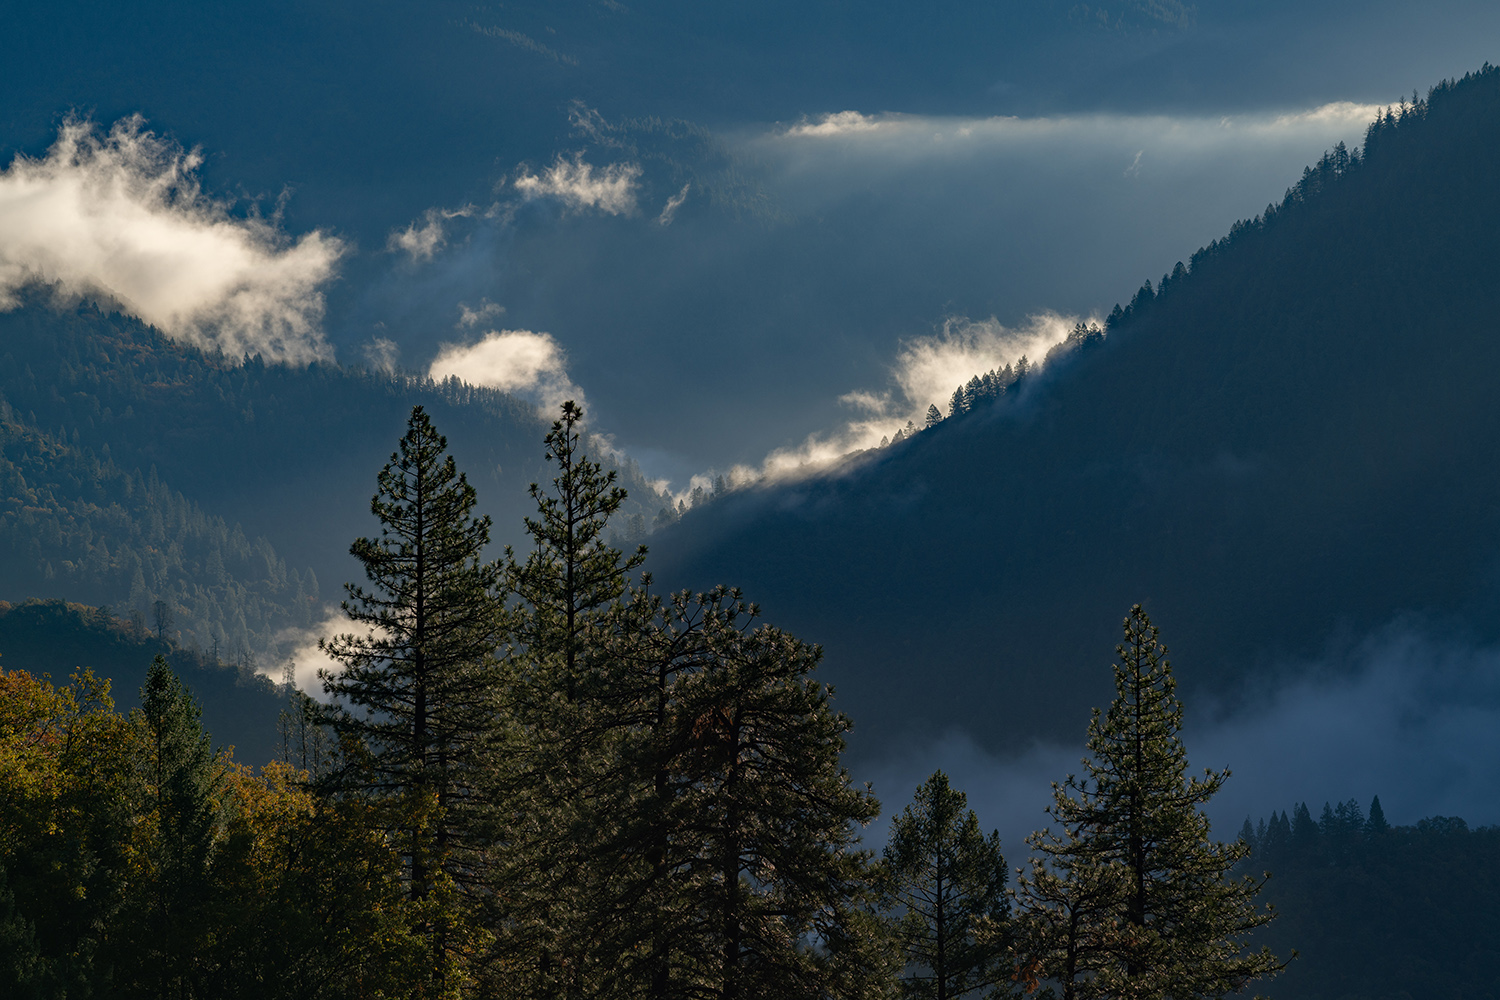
{"type": "Point", "coordinates": [1288, 445]}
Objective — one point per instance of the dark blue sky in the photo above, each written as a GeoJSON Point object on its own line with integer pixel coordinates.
{"type": "Point", "coordinates": [792, 268]}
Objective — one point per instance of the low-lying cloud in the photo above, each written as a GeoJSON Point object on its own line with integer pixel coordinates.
{"type": "Point", "coordinates": [579, 185]}
{"type": "Point", "coordinates": [120, 218]}
{"type": "Point", "coordinates": [1409, 717]}
{"type": "Point", "coordinates": [907, 136]}
{"type": "Point", "coordinates": [515, 361]}
{"type": "Point", "coordinates": [302, 659]}
{"type": "Point", "coordinates": [925, 373]}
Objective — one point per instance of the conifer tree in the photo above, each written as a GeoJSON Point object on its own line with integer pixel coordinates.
{"type": "Point", "coordinates": [418, 701]}
{"type": "Point", "coordinates": [183, 781]}
{"type": "Point", "coordinates": [779, 892]}
{"type": "Point", "coordinates": [1128, 896]}
{"type": "Point", "coordinates": [558, 882]}
{"type": "Point", "coordinates": [1376, 824]}
{"type": "Point", "coordinates": [943, 884]}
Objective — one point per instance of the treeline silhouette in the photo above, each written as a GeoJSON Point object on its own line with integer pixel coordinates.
{"type": "Point", "coordinates": [1379, 911]}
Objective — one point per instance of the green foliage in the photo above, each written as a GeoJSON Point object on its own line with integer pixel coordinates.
{"type": "Point", "coordinates": [172, 920]}
{"type": "Point", "coordinates": [1128, 896]}
{"type": "Point", "coordinates": [943, 884]}
{"type": "Point", "coordinates": [418, 702]}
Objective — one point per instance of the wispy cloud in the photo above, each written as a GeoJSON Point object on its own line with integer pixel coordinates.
{"type": "Point", "coordinates": [471, 316]}
{"type": "Point", "coordinates": [121, 218]}
{"type": "Point", "coordinates": [381, 354]}
{"type": "Point", "coordinates": [421, 242]}
{"type": "Point", "coordinates": [515, 361]}
{"type": "Point", "coordinates": [925, 373]}
{"type": "Point", "coordinates": [580, 185]}
{"type": "Point", "coordinates": [669, 210]}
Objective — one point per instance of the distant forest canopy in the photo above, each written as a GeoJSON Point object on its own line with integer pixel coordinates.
{"type": "Point", "coordinates": [134, 469]}
{"type": "Point", "coordinates": [1300, 429]}
{"type": "Point", "coordinates": [1377, 911]}
{"type": "Point", "coordinates": [1333, 166]}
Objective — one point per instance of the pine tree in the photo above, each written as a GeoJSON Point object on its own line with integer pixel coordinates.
{"type": "Point", "coordinates": [934, 416]}
{"type": "Point", "coordinates": [1129, 897]}
{"type": "Point", "coordinates": [184, 782]}
{"type": "Point", "coordinates": [1376, 824]}
{"type": "Point", "coordinates": [419, 698]}
{"type": "Point", "coordinates": [559, 881]}
{"type": "Point", "coordinates": [943, 884]}
{"type": "Point", "coordinates": [779, 891]}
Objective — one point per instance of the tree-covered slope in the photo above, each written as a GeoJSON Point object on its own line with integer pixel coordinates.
{"type": "Point", "coordinates": [1290, 444]}
{"type": "Point", "coordinates": [240, 708]}
{"type": "Point", "coordinates": [127, 452]}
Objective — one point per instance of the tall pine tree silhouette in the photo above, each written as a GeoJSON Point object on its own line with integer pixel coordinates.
{"type": "Point", "coordinates": [1129, 897]}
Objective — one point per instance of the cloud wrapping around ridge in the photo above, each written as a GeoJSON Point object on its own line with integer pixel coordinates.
{"type": "Point", "coordinates": [579, 185]}
{"type": "Point", "coordinates": [925, 373]}
{"type": "Point", "coordinates": [520, 362]}
{"type": "Point", "coordinates": [121, 219]}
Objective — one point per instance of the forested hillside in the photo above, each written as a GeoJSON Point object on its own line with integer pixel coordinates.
{"type": "Point", "coordinates": [137, 470]}
{"type": "Point", "coordinates": [241, 708]}
{"type": "Point", "coordinates": [1288, 445]}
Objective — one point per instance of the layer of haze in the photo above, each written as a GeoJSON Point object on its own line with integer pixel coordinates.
{"type": "Point", "coordinates": [1407, 716]}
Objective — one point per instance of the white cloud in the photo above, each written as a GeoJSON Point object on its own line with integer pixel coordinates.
{"type": "Point", "coordinates": [305, 659]}
{"type": "Point", "coordinates": [669, 211]}
{"type": "Point", "coordinates": [925, 373]}
{"type": "Point", "coordinates": [121, 219]}
{"type": "Point", "coordinates": [842, 123]}
{"type": "Point", "coordinates": [514, 361]}
{"type": "Point", "coordinates": [422, 242]}
{"type": "Point", "coordinates": [471, 317]}
{"type": "Point", "coordinates": [578, 185]}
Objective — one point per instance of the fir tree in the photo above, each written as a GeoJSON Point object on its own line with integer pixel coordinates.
{"type": "Point", "coordinates": [184, 783]}
{"type": "Point", "coordinates": [1129, 897]}
{"type": "Point", "coordinates": [420, 694]}
{"type": "Point", "coordinates": [779, 904]}
{"type": "Point", "coordinates": [943, 883]}
{"type": "Point", "coordinates": [1376, 824]}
